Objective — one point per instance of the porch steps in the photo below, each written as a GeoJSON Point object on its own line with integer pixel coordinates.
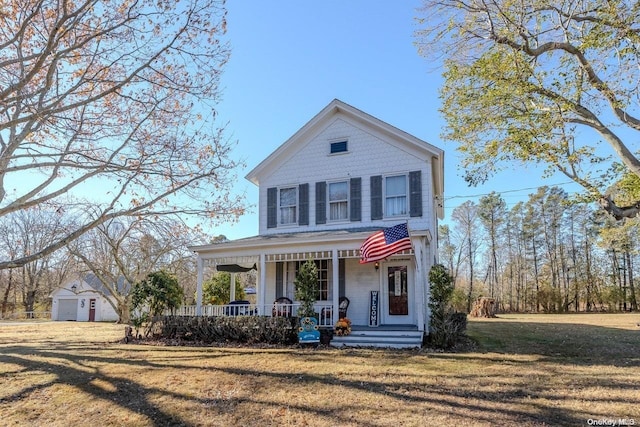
{"type": "Point", "coordinates": [400, 337]}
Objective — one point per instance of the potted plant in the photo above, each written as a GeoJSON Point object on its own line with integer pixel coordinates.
{"type": "Point", "coordinates": [306, 283]}
{"type": "Point", "coordinates": [343, 326]}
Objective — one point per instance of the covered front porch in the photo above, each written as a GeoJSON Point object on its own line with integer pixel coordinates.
{"type": "Point", "coordinates": [398, 284]}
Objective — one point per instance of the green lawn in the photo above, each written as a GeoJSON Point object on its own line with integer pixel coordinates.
{"type": "Point", "coordinates": [528, 370]}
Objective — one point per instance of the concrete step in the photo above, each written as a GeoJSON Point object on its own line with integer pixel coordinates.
{"type": "Point", "coordinates": [379, 338]}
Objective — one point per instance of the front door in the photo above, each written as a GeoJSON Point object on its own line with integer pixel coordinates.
{"type": "Point", "coordinates": [398, 294]}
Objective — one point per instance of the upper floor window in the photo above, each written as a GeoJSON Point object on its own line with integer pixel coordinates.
{"type": "Point", "coordinates": [338, 147]}
{"type": "Point", "coordinates": [395, 198]}
{"type": "Point", "coordinates": [396, 195]}
{"type": "Point", "coordinates": [338, 201]}
{"type": "Point", "coordinates": [288, 205]}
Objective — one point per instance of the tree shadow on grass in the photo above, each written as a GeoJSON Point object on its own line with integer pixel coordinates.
{"type": "Point", "coordinates": [479, 405]}
{"type": "Point", "coordinates": [465, 394]}
{"type": "Point", "coordinates": [576, 344]}
{"type": "Point", "coordinates": [125, 393]}
{"type": "Point", "coordinates": [79, 371]}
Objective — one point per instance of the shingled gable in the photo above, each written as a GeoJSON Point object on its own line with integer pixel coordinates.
{"type": "Point", "coordinates": [337, 108]}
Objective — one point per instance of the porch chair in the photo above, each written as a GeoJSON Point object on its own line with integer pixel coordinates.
{"type": "Point", "coordinates": [343, 305]}
{"type": "Point", "coordinates": [282, 307]}
{"type": "Point", "coordinates": [327, 312]}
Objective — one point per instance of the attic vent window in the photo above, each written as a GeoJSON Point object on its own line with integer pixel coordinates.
{"type": "Point", "coordinates": [339, 147]}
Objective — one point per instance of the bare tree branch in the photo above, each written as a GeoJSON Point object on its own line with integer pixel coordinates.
{"type": "Point", "coordinates": [106, 107]}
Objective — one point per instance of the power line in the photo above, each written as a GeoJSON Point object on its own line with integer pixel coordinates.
{"type": "Point", "coordinates": [508, 191]}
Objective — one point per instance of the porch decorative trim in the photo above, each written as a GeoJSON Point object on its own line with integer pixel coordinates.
{"type": "Point", "coordinates": [349, 253]}
{"type": "Point", "coordinates": [299, 256]}
{"type": "Point", "coordinates": [355, 253]}
{"type": "Point", "coordinates": [241, 260]}
{"type": "Point", "coordinates": [291, 256]}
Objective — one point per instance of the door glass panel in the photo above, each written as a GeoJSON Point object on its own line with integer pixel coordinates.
{"type": "Point", "coordinates": [398, 295]}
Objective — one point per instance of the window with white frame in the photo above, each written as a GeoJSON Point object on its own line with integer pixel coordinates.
{"type": "Point", "coordinates": [323, 280]}
{"type": "Point", "coordinates": [288, 205]}
{"type": "Point", "coordinates": [324, 285]}
{"type": "Point", "coordinates": [338, 201]}
{"type": "Point", "coordinates": [395, 198]}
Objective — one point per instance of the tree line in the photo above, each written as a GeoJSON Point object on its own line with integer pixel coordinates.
{"type": "Point", "coordinates": [120, 253]}
{"type": "Point", "coordinates": [549, 253]}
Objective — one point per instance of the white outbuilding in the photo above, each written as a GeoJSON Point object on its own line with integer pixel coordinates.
{"type": "Point", "coordinates": [83, 299]}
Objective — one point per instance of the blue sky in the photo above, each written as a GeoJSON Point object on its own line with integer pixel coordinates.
{"type": "Point", "coordinates": [289, 59]}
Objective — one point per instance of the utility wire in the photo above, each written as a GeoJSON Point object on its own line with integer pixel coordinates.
{"type": "Point", "coordinates": [509, 191]}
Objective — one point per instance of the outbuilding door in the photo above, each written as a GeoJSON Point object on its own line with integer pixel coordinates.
{"type": "Point", "coordinates": [92, 310]}
{"type": "Point", "coordinates": [68, 309]}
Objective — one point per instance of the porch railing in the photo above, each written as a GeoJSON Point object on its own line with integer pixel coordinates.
{"type": "Point", "coordinates": [273, 310]}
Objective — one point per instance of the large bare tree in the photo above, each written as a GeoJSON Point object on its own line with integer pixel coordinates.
{"type": "Point", "coordinates": [541, 81]}
{"type": "Point", "coordinates": [466, 222]}
{"type": "Point", "coordinates": [107, 110]}
{"type": "Point", "coordinates": [25, 232]}
{"type": "Point", "coordinates": [125, 251]}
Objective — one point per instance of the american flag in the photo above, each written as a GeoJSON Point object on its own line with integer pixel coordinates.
{"type": "Point", "coordinates": [384, 243]}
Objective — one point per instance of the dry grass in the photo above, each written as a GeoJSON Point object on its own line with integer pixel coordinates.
{"type": "Point", "coordinates": [530, 370]}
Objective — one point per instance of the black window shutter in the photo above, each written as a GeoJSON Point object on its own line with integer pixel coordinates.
{"type": "Point", "coordinates": [279, 279]}
{"type": "Point", "coordinates": [303, 200]}
{"type": "Point", "coordinates": [415, 193]}
{"type": "Point", "coordinates": [355, 199]}
{"type": "Point", "coordinates": [321, 202]}
{"type": "Point", "coordinates": [376, 197]}
{"type": "Point", "coordinates": [272, 207]}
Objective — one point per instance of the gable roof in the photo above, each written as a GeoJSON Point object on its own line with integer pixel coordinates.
{"type": "Point", "coordinates": [122, 286]}
{"type": "Point", "coordinates": [324, 117]}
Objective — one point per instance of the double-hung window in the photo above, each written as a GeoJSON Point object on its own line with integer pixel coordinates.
{"type": "Point", "coordinates": [324, 285]}
{"type": "Point", "coordinates": [395, 201]}
{"type": "Point", "coordinates": [288, 205]}
{"type": "Point", "coordinates": [338, 201]}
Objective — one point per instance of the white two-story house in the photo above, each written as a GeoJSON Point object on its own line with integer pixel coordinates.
{"type": "Point", "coordinates": [343, 176]}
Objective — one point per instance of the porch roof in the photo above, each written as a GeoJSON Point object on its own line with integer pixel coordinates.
{"type": "Point", "coordinates": [283, 246]}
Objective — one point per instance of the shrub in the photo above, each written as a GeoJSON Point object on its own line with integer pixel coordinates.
{"type": "Point", "coordinates": [240, 329]}
{"type": "Point", "coordinates": [441, 287]}
{"type": "Point", "coordinates": [446, 326]}
{"type": "Point", "coordinates": [217, 290]}
{"type": "Point", "coordinates": [158, 292]}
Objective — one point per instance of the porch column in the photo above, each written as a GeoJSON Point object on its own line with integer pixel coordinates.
{"type": "Point", "coordinates": [421, 299]}
{"type": "Point", "coordinates": [336, 287]}
{"type": "Point", "coordinates": [200, 264]}
{"type": "Point", "coordinates": [262, 285]}
{"type": "Point", "coordinates": [232, 287]}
